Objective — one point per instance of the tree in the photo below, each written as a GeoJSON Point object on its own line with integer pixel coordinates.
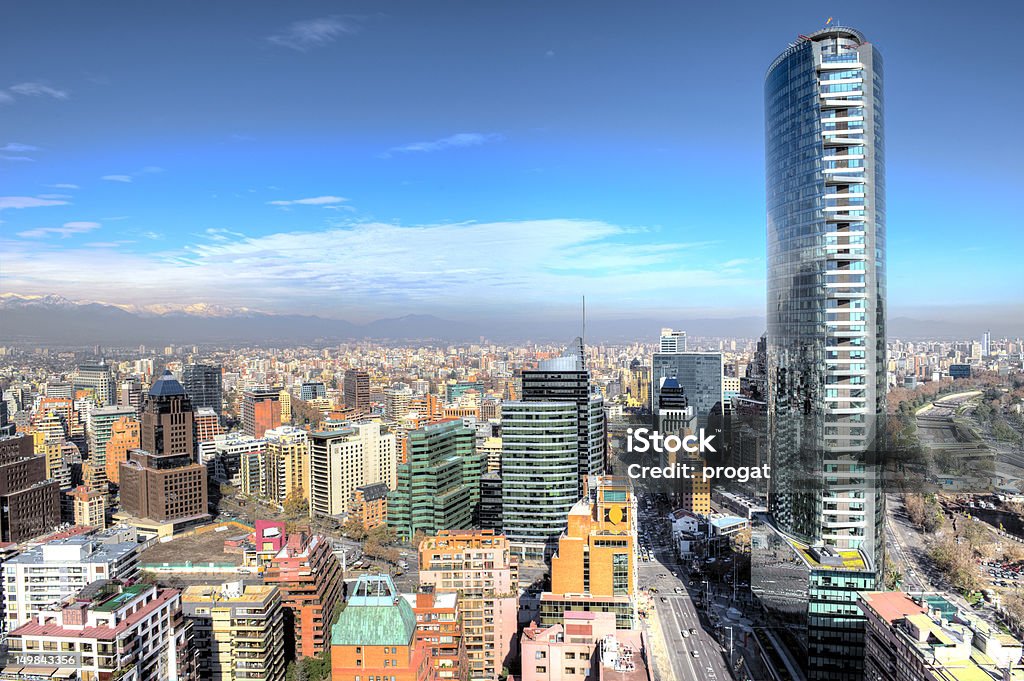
{"type": "Point", "coordinates": [295, 506]}
{"type": "Point", "coordinates": [353, 529]}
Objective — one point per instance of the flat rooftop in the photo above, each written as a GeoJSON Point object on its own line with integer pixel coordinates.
{"type": "Point", "coordinates": [204, 547]}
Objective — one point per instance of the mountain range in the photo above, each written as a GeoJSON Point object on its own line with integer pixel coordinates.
{"type": "Point", "coordinates": [56, 321]}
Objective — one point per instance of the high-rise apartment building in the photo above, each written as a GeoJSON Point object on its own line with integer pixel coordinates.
{"type": "Point", "coordinates": [89, 507]}
{"type": "Point", "coordinates": [238, 630]}
{"type": "Point", "coordinates": [114, 631]}
{"type": "Point", "coordinates": [824, 137]}
{"type": "Point", "coordinates": [356, 388]}
{"type": "Point", "coordinates": [567, 379]}
{"type": "Point", "coordinates": [439, 631]}
{"type": "Point", "coordinates": [375, 636]}
{"type": "Point", "coordinates": [129, 394]}
{"type": "Point", "coordinates": [438, 486]}
{"type": "Point", "coordinates": [672, 341]}
{"type": "Point", "coordinates": [97, 377]}
{"type": "Point", "coordinates": [261, 410]}
{"type": "Point", "coordinates": [99, 429]}
{"type": "Point", "coordinates": [286, 473]}
{"type": "Point", "coordinates": [125, 435]}
{"type": "Point", "coordinates": [46, 574]}
{"type": "Point", "coordinates": [396, 402]}
{"type": "Point", "coordinates": [699, 374]}
{"type": "Point", "coordinates": [309, 577]}
{"type": "Point", "coordinates": [480, 567]}
{"type": "Point", "coordinates": [595, 568]}
{"type": "Point", "coordinates": [539, 472]}
{"type": "Point", "coordinates": [207, 425]}
{"type": "Point", "coordinates": [344, 459]}
{"type": "Point", "coordinates": [202, 382]}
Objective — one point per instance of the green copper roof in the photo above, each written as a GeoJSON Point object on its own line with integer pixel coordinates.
{"type": "Point", "coordinates": [376, 615]}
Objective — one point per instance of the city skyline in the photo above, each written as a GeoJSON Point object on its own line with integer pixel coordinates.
{"type": "Point", "coordinates": [514, 172]}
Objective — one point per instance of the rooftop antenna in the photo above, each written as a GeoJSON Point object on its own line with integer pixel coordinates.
{"type": "Point", "coordinates": [583, 333]}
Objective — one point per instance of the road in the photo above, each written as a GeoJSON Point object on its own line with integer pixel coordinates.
{"type": "Point", "coordinates": [678, 614]}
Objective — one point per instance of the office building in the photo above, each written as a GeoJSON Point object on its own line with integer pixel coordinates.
{"type": "Point", "coordinates": [169, 489]}
{"type": "Point", "coordinates": [826, 328]}
{"type": "Point", "coordinates": [114, 631]}
{"type": "Point", "coordinates": [595, 568]}
{"type": "Point", "coordinates": [672, 341]}
{"type": "Point", "coordinates": [168, 425]}
{"type": "Point", "coordinates": [480, 567]}
{"type": "Point", "coordinates": [370, 505]}
{"type": "Point", "coordinates": [396, 403]}
{"type": "Point", "coordinates": [202, 383]}
{"type": "Point", "coordinates": [261, 410]}
{"type": "Point", "coordinates": [125, 435]}
{"type": "Point", "coordinates": [287, 464]}
{"type": "Point", "coordinates": [237, 629]}
{"type": "Point", "coordinates": [344, 459]}
{"type": "Point", "coordinates": [540, 468]}
{"type": "Point", "coordinates": [567, 379]}
{"type": "Point", "coordinates": [375, 636]}
{"type": "Point", "coordinates": [700, 376]}
{"type": "Point", "coordinates": [285, 399]}
{"type": "Point", "coordinates": [96, 377]}
{"type": "Point", "coordinates": [236, 458]}
{"type": "Point", "coordinates": [29, 502]}
{"type": "Point", "coordinates": [490, 502]}
{"type": "Point", "coordinates": [89, 507]}
{"type": "Point", "coordinates": [45, 574]}
{"type": "Point", "coordinates": [99, 424]}
{"type": "Point", "coordinates": [312, 390]}
{"type": "Point", "coordinates": [675, 416]}
{"type": "Point", "coordinates": [309, 577]}
{"type": "Point", "coordinates": [356, 388]}
{"type": "Point", "coordinates": [438, 486]}
{"type": "Point", "coordinates": [924, 637]}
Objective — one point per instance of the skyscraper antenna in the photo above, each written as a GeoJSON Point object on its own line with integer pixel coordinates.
{"type": "Point", "coordinates": [583, 334]}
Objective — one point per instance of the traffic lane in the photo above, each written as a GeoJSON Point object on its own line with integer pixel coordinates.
{"type": "Point", "coordinates": [712, 654]}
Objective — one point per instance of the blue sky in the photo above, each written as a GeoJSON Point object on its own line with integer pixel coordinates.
{"type": "Point", "coordinates": [362, 160]}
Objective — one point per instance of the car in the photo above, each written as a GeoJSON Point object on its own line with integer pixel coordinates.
{"type": "Point", "coordinates": [692, 630]}
{"type": "Point", "coordinates": [664, 600]}
{"type": "Point", "coordinates": [695, 653]}
{"type": "Point", "coordinates": [685, 633]}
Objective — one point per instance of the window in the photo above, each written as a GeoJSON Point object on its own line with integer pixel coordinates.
{"type": "Point", "coordinates": [541, 670]}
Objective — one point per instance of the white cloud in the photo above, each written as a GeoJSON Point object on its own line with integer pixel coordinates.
{"type": "Point", "coordinates": [18, 147]}
{"type": "Point", "coordinates": [311, 201]}
{"type": "Point", "coordinates": [307, 35]}
{"type": "Point", "coordinates": [64, 231]}
{"type": "Point", "coordinates": [368, 268]}
{"type": "Point", "coordinates": [462, 139]}
{"type": "Point", "coordinates": [63, 185]}
{"type": "Point", "coordinates": [38, 90]}
{"type": "Point", "coordinates": [5, 98]}
{"type": "Point", "coordinates": [28, 202]}
{"type": "Point", "coordinates": [17, 158]}
{"type": "Point", "coordinates": [130, 177]}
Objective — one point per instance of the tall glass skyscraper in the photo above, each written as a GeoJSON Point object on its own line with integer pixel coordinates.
{"type": "Point", "coordinates": [825, 170]}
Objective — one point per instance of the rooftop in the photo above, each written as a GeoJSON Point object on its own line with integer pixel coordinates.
{"type": "Point", "coordinates": [375, 615]}
{"type": "Point", "coordinates": [166, 386]}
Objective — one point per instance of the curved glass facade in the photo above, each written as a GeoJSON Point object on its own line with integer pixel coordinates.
{"type": "Point", "coordinates": [825, 182]}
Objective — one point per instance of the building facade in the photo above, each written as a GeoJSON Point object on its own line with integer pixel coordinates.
{"type": "Point", "coordinates": [826, 320]}
{"type": "Point", "coordinates": [344, 459]}
{"type": "Point", "coordinates": [261, 411]}
{"type": "Point", "coordinates": [203, 383]}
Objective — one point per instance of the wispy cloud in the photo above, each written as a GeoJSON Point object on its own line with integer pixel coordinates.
{"type": "Point", "coordinates": [64, 231]}
{"type": "Point", "coordinates": [63, 185]}
{"type": "Point", "coordinates": [312, 33]}
{"type": "Point", "coordinates": [311, 201]}
{"type": "Point", "coordinates": [543, 262]}
{"type": "Point", "coordinates": [18, 147]}
{"type": "Point", "coordinates": [17, 158]}
{"type": "Point", "coordinates": [29, 202]}
{"type": "Point", "coordinates": [38, 90]}
{"type": "Point", "coordinates": [130, 177]}
{"type": "Point", "coordinates": [462, 139]}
